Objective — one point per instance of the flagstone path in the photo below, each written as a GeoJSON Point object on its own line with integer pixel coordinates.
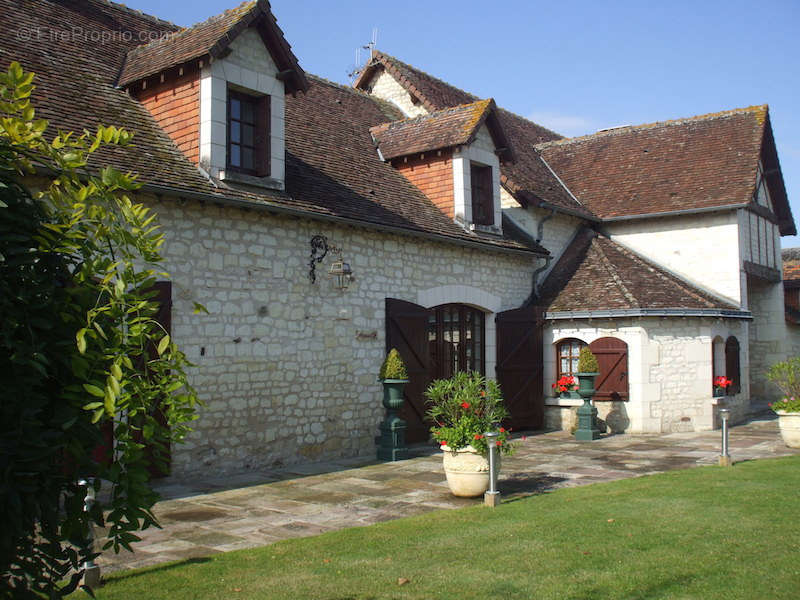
{"type": "Point", "coordinates": [201, 518]}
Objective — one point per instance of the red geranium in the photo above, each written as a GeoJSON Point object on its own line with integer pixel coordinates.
{"type": "Point", "coordinates": [465, 405]}
{"type": "Point", "coordinates": [722, 382]}
{"type": "Point", "coordinates": [565, 384]}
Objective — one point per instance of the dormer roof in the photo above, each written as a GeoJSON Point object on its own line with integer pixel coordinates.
{"type": "Point", "coordinates": [451, 127]}
{"type": "Point", "coordinates": [211, 39]}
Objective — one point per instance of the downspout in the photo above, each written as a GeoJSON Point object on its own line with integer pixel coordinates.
{"type": "Point", "coordinates": [547, 259]}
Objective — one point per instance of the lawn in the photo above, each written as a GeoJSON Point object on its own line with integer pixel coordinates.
{"type": "Point", "coordinates": [701, 533]}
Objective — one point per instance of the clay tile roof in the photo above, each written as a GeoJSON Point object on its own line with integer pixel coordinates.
{"type": "Point", "coordinates": [597, 274]}
{"type": "Point", "coordinates": [791, 264]}
{"type": "Point", "coordinates": [528, 179]}
{"type": "Point", "coordinates": [332, 169]}
{"type": "Point", "coordinates": [701, 162]}
{"type": "Point", "coordinates": [445, 128]}
{"type": "Point", "coordinates": [211, 38]}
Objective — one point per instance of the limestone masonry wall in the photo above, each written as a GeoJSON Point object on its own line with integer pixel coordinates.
{"type": "Point", "coordinates": [386, 87]}
{"type": "Point", "coordinates": [287, 369]}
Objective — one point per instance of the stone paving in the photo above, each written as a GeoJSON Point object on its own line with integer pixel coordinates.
{"type": "Point", "coordinates": [201, 518]}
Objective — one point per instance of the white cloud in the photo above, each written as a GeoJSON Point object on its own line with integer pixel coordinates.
{"type": "Point", "coordinates": [568, 125]}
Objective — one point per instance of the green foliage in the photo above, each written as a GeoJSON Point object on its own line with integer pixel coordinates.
{"type": "Point", "coordinates": [464, 408]}
{"type": "Point", "coordinates": [393, 367]}
{"type": "Point", "coordinates": [587, 361]}
{"type": "Point", "coordinates": [81, 349]}
{"type": "Point", "coordinates": [786, 375]}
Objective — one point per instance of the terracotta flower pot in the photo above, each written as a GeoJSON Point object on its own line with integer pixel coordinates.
{"type": "Point", "coordinates": [789, 423]}
{"type": "Point", "coordinates": [467, 471]}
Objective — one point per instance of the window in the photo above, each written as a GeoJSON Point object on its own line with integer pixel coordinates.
{"type": "Point", "coordinates": [482, 195]}
{"type": "Point", "coordinates": [456, 336]}
{"type": "Point", "coordinates": [248, 133]}
{"type": "Point", "coordinates": [567, 352]}
{"type": "Point", "coordinates": [732, 365]}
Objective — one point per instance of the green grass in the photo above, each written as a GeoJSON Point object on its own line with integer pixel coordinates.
{"type": "Point", "coordinates": [701, 533]}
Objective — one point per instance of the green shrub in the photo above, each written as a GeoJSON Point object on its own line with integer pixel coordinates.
{"type": "Point", "coordinates": [786, 375]}
{"type": "Point", "coordinates": [587, 361]}
{"type": "Point", "coordinates": [463, 408]}
{"type": "Point", "coordinates": [393, 367]}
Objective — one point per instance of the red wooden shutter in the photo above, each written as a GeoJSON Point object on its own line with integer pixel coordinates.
{"type": "Point", "coordinates": [406, 330]}
{"type": "Point", "coordinates": [612, 357]}
{"type": "Point", "coordinates": [519, 365]}
{"type": "Point", "coordinates": [482, 196]}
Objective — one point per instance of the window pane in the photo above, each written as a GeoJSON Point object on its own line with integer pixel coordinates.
{"type": "Point", "coordinates": [236, 135]}
{"type": "Point", "coordinates": [247, 133]}
{"type": "Point", "coordinates": [236, 157]}
{"type": "Point", "coordinates": [247, 112]}
{"type": "Point", "coordinates": [236, 110]}
{"type": "Point", "coordinates": [247, 158]}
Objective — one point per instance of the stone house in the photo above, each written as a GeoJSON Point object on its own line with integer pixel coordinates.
{"type": "Point", "coordinates": [462, 234]}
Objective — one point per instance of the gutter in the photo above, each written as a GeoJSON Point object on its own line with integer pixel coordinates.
{"type": "Point", "coordinates": [295, 212]}
{"type": "Point", "coordinates": [677, 213]}
{"type": "Point", "coordinates": [650, 312]}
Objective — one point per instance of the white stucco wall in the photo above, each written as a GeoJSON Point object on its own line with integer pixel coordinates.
{"type": "Point", "coordinates": [770, 338]}
{"type": "Point", "coordinates": [250, 69]}
{"type": "Point", "coordinates": [669, 371]}
{"type": "Point", "coordinates": [702, 249]}
{"type": "Point", "coordinates": [384, 86]}
{"type": "Point", "coordinates": [288, 369]}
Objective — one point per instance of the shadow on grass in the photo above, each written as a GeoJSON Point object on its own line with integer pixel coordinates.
{"type": "Point", "coordinates": [121, 576]}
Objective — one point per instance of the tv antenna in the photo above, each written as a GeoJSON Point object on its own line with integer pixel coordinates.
{"type": "Point", "coordinates": [358, 67]}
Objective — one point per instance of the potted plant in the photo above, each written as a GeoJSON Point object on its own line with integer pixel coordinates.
{"type": "Point", "coordinates": [393, 375]}
{"type": "Point", "coordinates": [786, 375]}
{"type": "Point", "coordinates": [463, 408]}
{"type": "Point", "coordinates": [566, 387]}
{"type": "Point", "coordinates": [588, 369]}
{"type": "Point", "coordinates": [721, 385]}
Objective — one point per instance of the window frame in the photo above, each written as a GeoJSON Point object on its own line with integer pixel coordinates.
{"type": "Point", "coordinates": [476, 339]}
{"type": "Point", "coordinates": [261, 108]}
{"type": "Point", "coordinates": [559, 343]}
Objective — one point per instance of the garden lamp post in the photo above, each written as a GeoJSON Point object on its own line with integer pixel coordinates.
{"type": "Point", "coordinates": [492, 496]}
{"type": "Point", "coordinates": [725, 457]}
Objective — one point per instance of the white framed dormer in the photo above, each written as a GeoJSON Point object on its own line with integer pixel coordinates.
{"type": "Point", "coordinates": [473, 165]}
{"type": "Point", "coordinates": [245, 81]}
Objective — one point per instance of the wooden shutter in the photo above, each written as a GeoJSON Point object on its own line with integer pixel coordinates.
{"type": "Point", "coordinates": [519, 365]}
{"type": "Point", "coordinates": [263, 161]}
{"type": "Point", "coordinates": [406, 330]}
{"type": "Point", "coordinates": [732, 365]}
{"type": "Point", "coordinates": [612, 357]}
{"type": "Point", "coordinates": [482, 196]}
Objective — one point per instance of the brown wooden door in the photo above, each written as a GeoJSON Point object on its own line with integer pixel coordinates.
{"type": "Point", "coordinates": [406, 330]}
{"type": "Point", "coordinates": [519, 365]}
{"type": "Point", "coordinates": [612, 357]}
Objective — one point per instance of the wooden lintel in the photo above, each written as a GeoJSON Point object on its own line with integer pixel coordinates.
{"type": "Point", "coordinates": [284, 75]}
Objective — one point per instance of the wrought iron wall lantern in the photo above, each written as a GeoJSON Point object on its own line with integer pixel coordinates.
{"type": "Point", "coordinates": [339, 271]}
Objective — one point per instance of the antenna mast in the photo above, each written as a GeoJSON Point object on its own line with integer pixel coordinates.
{"type": "Point", "coordinates": [358, 67]}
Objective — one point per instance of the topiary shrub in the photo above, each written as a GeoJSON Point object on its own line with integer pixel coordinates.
{"type": "Point", "coordinates": [393, 367]}
{"type": "Point", "coordinates": [587, 361]}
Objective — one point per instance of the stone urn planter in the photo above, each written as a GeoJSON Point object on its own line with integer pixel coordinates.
{"type": "Point", "coordinates": [789, 423]}
{"type": "Point", "coordinates": [467, 471]}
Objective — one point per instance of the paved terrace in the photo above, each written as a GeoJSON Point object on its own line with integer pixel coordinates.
{"type": "Point", "coordinates": [201, 518]}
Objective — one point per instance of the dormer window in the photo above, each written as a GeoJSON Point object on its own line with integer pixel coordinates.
{"type": "Point", "coordinates": [248, 133]}
{"type": "Point", "coordinates": [482, 194]}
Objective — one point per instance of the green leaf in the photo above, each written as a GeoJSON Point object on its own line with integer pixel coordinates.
{"type": "Point", "coordinates": [162, 345]}
{"type": "Point", "coordinates": [92, 405]}
{"type": "Point", "coordinates": [200, 309]}
{"type": "Point", "coordinates": [81, 339]}
{"type": "Point", "coordinates": [94, 390]}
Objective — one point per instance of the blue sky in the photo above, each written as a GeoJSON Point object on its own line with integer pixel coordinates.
{"type": "Point", "coordinates": [573, 66]}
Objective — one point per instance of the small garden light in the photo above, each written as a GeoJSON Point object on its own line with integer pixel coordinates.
{"type": "Point", "coordinates": [91, 571]}
{"type": "Point", "coordinates": [724, 457]}
{"type": "Point", "coordinates": [492, 496]}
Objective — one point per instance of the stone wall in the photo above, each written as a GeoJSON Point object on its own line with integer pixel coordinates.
{"type": "Point", "coordinates": [669, 372]}
{"type": "Point", "coordinates": [287, 369]}
{"type": "Point", "coordinates": [386, 87]}
{"type": "Point", "coordinates": [770, 341]}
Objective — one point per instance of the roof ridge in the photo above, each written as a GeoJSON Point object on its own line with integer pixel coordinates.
{"type": "Point", "coordinates": [245, 8]}
{"type": "Point", "coordinates": [137, 12]}
{"type": "Point", "coordinates": [612, 271]}
{"type": "Point", "coordinates": [761, 111]}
